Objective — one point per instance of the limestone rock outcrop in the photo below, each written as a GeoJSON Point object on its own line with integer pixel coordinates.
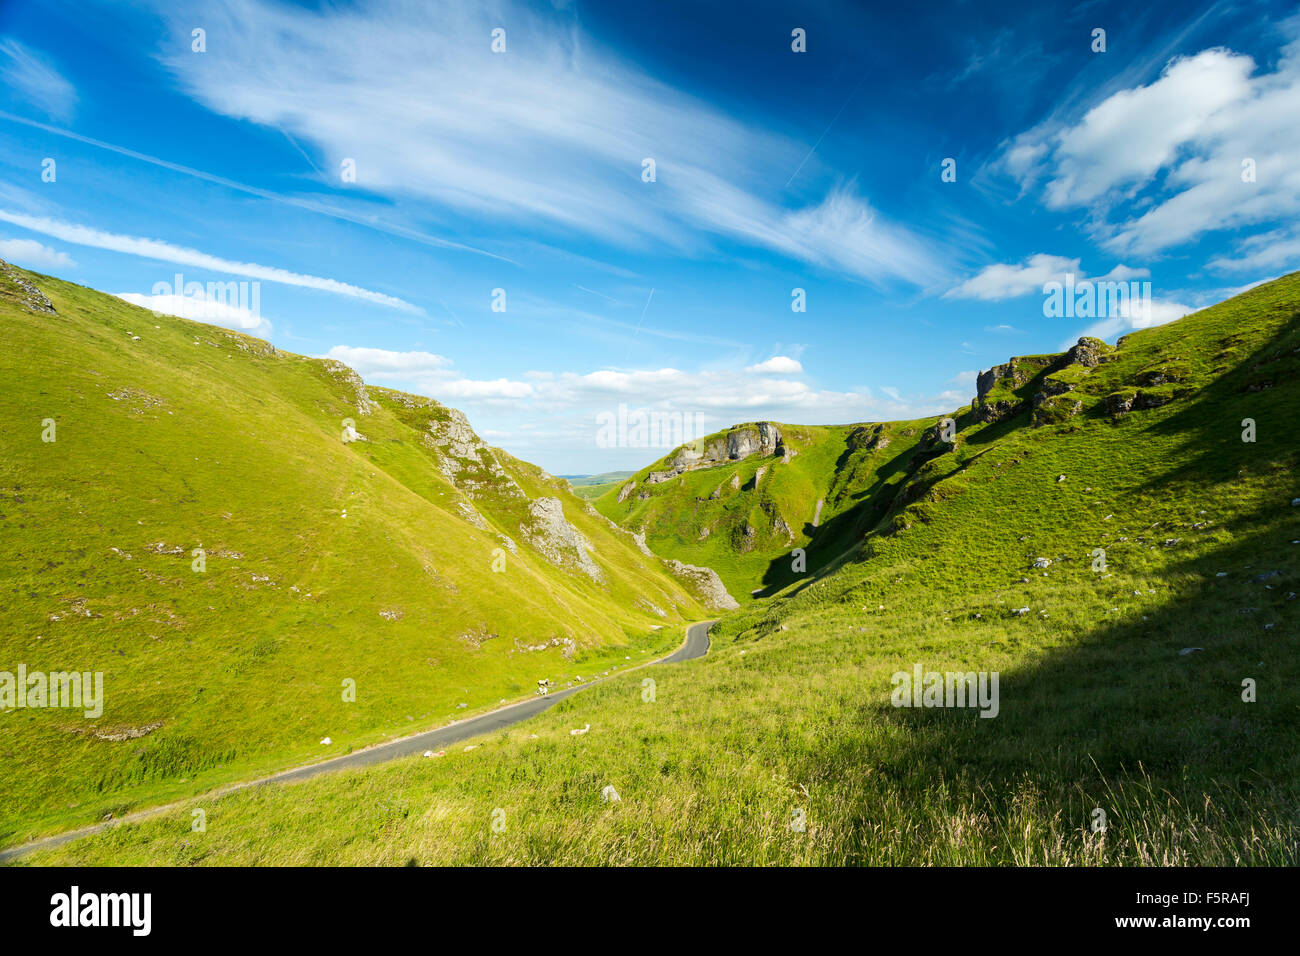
{"type": "Point", "coordinates": [742, 441]}
{"type": "Point", "coordinates": [706, 585]}
{"type": "Point", "coordinates": [559, 542]}
{"type": "Point", "coordinates": [12, 283]}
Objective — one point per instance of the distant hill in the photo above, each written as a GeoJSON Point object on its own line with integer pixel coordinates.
{"type": "Point", "coordinates": [579, 481]}
{"type": "Point", "coordinates": [588, 487]}
{"type": "Point", "coordinates": [743, 501]}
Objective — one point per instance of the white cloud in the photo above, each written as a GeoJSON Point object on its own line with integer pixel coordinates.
{"type": "Point", "coordinates": [381, 363]}
{"type": "Point", "coordinates": [162, 251]}
{"type": "Point", "coordinates": [425, 371]}
{"type": "Point", "coordinates": [1009, 281]}
{"type": "Point", "coordinates": [548, 414]}
{"type": "Point", "coordinates": [30, 253]}
{"type": "Point", "coordinates": [461, 388]}
{"type": "Point", "coordinates": [1129, 136]}
{"type": "Point", "coordinates": [779, 364]}
{"type": "Point", "coordinates": [36, 80]}
{"type": "Point", "coordinates": [1273, 251]}
{"type": "Point", "coordinates": [552, 133]}
{"type": "Point", "coordinates": [1123, 273]}
{"type": "Point", "coordinates": [1159, 166]}
{"type": "Point", "coordinates": [1004, 281]}
{"type": "Point", "coordinates": [202, 309]}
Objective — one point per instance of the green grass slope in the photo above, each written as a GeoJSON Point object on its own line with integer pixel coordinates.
{"type": "Point", "coordinates": [782, 746]}
{"type": "Point", "coordinates": [412, 561]}
{"type": "Point", "coordinates": [746, 518]}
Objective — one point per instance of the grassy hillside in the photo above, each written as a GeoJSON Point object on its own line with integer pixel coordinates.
{"type": "Point", "coordinates": [1121, 684]}
{"type": "Point", "coordinates": [745, 518]}
{"type": "Point", "coordinates": [438, 574]}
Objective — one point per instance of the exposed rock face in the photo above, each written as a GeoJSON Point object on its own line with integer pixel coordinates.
{"type": "Point", "coordinates": [1050, 404]}
{"type": "Point", "coordinates": [996, 411]}
{"type": "Point", "coordinates": [869, 438]}
{"type": "Point", "coordinates": [705, 583]}
{"type": "Point", "coordinates": [16, 285]}
{"type": "Point", "coordinates": [470, 514]}
{"type": "Point", "coordinates": [1120, 403]}
{"type": "Point", "coordinates": [759, 438]}
{"type": "Point", "coordinates": [653, 608]}
{"type": "Point", "coordinates": [1012, 375]}
{"type": "Point", "coordinates": [1050, 409]}
{"type": "Point", "coordinates": [360, 397]}
{"type": "Point", "coordinates": [128, 733]}
{"type": "Point", "coordinates": [558, 541]}
{"type": "Point", "coordinates": [742, 442]}
{"type": "Point", "coordinates": [743, 539]}
{"type": "Point", "coordinates": [985, 381]}
{"type": "Point", "coordinates": [639, 538]}
{"type": "Point", "coordinates": [933, 442]}
{"type": "Point", "coordinates": [1050, 388]}
{"type": "Point", "coordinates": [626, 490]}
{"type": "Point", "coordinates": [1173, 371]}
{"type": "Point", "coordinates": [464, 458]}
{"type": "Point", "coordinates": [1088, 352]}
{"type": "Point", "coordinates": [456, 433]}
{"type": "Point", "coordinates": [1123, 402]}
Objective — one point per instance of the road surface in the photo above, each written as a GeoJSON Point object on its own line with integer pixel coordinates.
{"type": "Point", "coordinates": [695, 645]}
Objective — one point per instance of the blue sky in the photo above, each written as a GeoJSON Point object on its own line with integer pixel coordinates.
{"type": "Point", "coordinates": [522, 171]}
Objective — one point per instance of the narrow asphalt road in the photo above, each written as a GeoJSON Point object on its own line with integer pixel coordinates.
{"type": "Point", "coordinates": [695, 645]}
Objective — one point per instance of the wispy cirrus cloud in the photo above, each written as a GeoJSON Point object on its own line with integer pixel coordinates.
{"type": "Point", "coordinates": [162, 251]}
{"type": "Point", "coordinates": [35, 80]}
{"type": "Point", "coordinates": [551, 133]}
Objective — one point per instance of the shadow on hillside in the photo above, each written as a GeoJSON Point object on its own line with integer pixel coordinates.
{"type": "Point", "coordinates": [997, 430]}
{"type": "Point", "coordinates": [839, 534]}
{"type": "Point", "coordinates": [1126, 703]}
{"type": "Point", "coordinates": [829, 541]}
{"type": "Point", "coordinates": [1210, 422]}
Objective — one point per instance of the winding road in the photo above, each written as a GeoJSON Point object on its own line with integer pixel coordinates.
{"type": "Point", "coordinates": [695, 645]}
